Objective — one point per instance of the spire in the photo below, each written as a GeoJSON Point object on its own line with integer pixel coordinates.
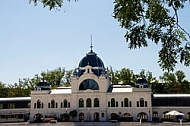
{"type": "Point", "coordinates": [91, 45]}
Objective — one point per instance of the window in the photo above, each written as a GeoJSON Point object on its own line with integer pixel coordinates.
{"type": "Point", "coordinates": [155, 114]}
{"type": "Point", "coordinates": [38, 104]}
{"type": "Point", "coordinates": [52, 103]}
{"type": "Point", "coordinates": [34, 105]}
{"type": "Point", "coordinates": [130, 104]}
{"type": "Point", "coordinates": [122, 104]}
{"type": "Point", "coordinates": [112, 102]}
{"type": "Point", "coordinates": [65, 103]}
{"type": "Point", "coordinates": [126, 102]}
{"type": "Point", "coordinates": [48, 105]}
{"type": "Point", "coordinates": [81, 102]}
{"type": "Point", "coordinates": [102, 114]}
{"type": "Point", "coordinates": [68, 104]}
{"type": "Point", "coordinates": [137, 103]}
{"type": "Point", "coordinates": [88, 102]}
{"type": "Point", "coordinates": [141, 102]}
{"type": "Point", "coordinates": [61, 104]}
{"type": "Point", "coordinates": [145, 103]}
{"type": "Point", "coordinates": [1, 106]}
{"type": "Point", "coordinates": [108, 104]}
{"type": "Point", "coordinates": [11, 105]}
{"type": "Point", "coordinates": [96, 102]}
{"type": "Point", "coordinates": [116, 103]}
{"type": "Point", "coordinates": [89, 84]}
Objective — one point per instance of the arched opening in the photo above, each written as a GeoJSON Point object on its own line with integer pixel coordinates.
{"type": "Point", "coordinates": [143, 116]}
{"type": "Point", "coordinates": [65, 103]}
{"type": "Point", "coordinates": [89, 84]}
{"type": "Point", "coordinates": [81, 117]}
{"type": "Point", "coordinates": [166, 117]}
{"type": "Point", "coordinates": [96, 116]}
{"type": "Point", "coordinates": [52, 103]}
{"type": "Point", "coordinates": [126, 101]}
{"type": "Point", "coordinates": [96, 102]}
{"type": "Point", "coordinates": [64, 117]}
{"type": "Point", "coordinates": [81, 103]}
{"type": "Point", "coordinates": [88, 102]}
{"type": "Point", "coordinates": [141, 102]}
{"type": "Point", "coordinates": [126, 117]}
{"type": "Point", "coordinates": [113, 116]}
{"type": "Point", "coordinates": [112, 102]}
{"type": "Point", "coordinates": [38, 118]}
{"type": "Point", "coordinates": [39, 104]}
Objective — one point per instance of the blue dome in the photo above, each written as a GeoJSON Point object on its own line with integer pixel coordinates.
{"type": "Point", "coordinates": [142, 81]}
{"type": "Point", "coordinates": [43, 85]}
{"type": "Point", "coordinates": [93, 60]}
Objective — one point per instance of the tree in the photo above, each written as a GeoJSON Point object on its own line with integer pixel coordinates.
{"type": "Point", "coordinates": [54, 77]}
{"type": "Point", "coordinates": [149, 20]}
{"type": "Point", "coordinates": [64, 117]}
{"type": "Point", "coordinates": [153, 20]}
{"type": "Point", "coordinates": [73, 114]}
{"type": "Point", "coordinates": [175, 82]}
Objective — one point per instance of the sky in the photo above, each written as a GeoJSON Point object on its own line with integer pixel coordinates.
{"type": "Point", "coordinates": [34, 39]}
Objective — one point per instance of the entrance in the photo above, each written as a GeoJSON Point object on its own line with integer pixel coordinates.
{"type": "Point", "coordinates": [81, 117]}
{"type": "Point", "coordinates": [96, 116]}
{"type": "Point", "coordinates": [38, 117]}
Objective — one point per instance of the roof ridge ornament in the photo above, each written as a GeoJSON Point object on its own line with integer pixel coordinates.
{"type": "Point", "coordinates": [91, 46]}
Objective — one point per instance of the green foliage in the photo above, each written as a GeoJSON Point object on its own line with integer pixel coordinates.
{"type": "Point", "coordinates": [54, 77]}
{"type": "Point", "coordinates": [167, 83]}
{"type": "Point", "coordinates": [175, 82]}
{"type": "Point", "coordinates": [73, 114]}
{"type": "Point", "coordinates": [154, 20]}
{"type": "Point", "coordinates": [65, 117]}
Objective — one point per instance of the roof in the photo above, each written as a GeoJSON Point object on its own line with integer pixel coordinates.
{"type": "Point", "coordinates": [61, 90]}
{"type": "Point", "coordinates": [92, 60]}
{"type": "Point", "coordinates": [171, 95]}
{"type": "Point", "coordinates": [120, 88]}
{"type": "Point", "coordinates": [16, 99]}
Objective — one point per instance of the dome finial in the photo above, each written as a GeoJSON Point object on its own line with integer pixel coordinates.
{"type": "Point", "coordinates": [91, 45]}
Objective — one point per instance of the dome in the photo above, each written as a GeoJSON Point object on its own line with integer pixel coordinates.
{"type": "Point", "coordinates": [43, 85]}
{"type": "Point", "coordinates": [142, 81]}
{"type": "Point", "coordinates": [93, 60]}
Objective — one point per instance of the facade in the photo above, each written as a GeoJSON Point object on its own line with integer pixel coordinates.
{"type": "Point", "coordinates": [14, 109]}
{"type": "Point", "coordinates": [94, 98]}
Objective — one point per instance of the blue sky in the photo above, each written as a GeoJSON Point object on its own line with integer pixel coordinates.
{"type": "Point", "coordinates": [34, 39]}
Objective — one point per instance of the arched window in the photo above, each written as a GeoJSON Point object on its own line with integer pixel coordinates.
{"type": "Point", "coordinates": [141, 102]}
{"type": "Point", "coordinates": [38, 104]}
{"type": "Point", "coordinates": [34, 105]}
{"type": "Point", "coordinates": [65, 103]}
{"type": "Point", "coordinates": [96, 102]}
{"type": "Point", "coordinates": [81, 102]}
{"type": "Point", "coordinates": [88, 102]}
{"type": "Point", "coordinates": [89, 84]}
{"type": "Point", "coordinates": [126, 101]}
{"type": "Point", "coordinates": [112, 102]}
{"type": "Point", "coordinates": [52, 103]}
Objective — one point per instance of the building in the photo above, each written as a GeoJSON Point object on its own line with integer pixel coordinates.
{"type": "Point", "coordinates": [94, 98]}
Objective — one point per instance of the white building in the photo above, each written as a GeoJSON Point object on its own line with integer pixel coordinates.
{"type": "Point", "coordinates": [93, 96]}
